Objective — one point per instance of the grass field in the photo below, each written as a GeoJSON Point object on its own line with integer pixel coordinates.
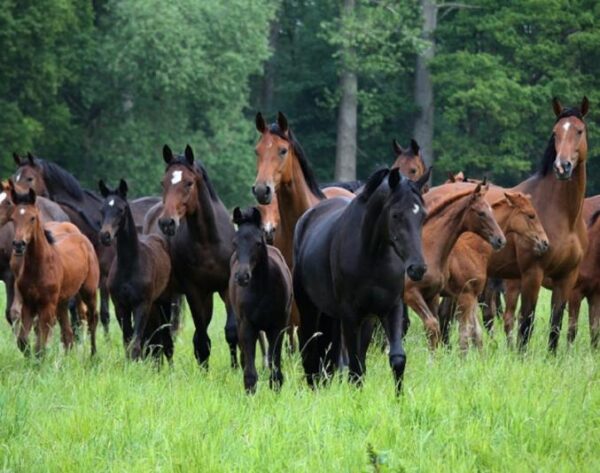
{"type": "Point", "coordinates": [494, 411]}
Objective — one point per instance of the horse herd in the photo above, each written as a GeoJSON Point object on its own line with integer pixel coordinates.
{"type": "Point", "coordinates": [328, 261]}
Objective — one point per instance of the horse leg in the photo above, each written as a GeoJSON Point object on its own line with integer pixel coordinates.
{"type": "Point", "coordinates": [264, 348]}
{"type": "Point", "coordinates": [392, 325]}
{"type": "Point", "coordinates": [201, 306]}
{"type": "Point", "coordinates": [415, 300]}
{"type": "Point", "coordinates": [560, 293]}
{"type": "Point", "coordinates": [104, 311]}
{"type": "Point", "coordinates": [307, 332]}
{"type": "Point", "coordinates": [531, 282]}
{"type": "Point", "coordinates": [248, 335]}
{"type": "Point", "coordinates": [445, 316]}
{"type": "Point", "coordinates": [230, 329]}
{"type": "Point", "coordinates": [275, 338]}
{"type": "Point", "coordinates": [356, 368]}
{"type": "Point", "coordinates": [513, 290]}
{"type": "Point", "coordinates": [45, 323]}
{"type": "Point", "coordinates": [594, 315]}
{"type": "Point", "coordinates": [329, 345]}
{"type": "Point", "coordinates": [73, 305]}
{"type": "Point", "coordinates": [175, 311]}
{"type": "Point", "coordinates": [16, 305]}
{"type": "Point", "coordinates": [293, 325]}
{"type": "Point", "coordinates": [10, 296]}
{"type": "Point", "coordinates": [140, 320]}
{"type": "Point", "coordinates": [490, 308]}
{"type": "Point", "coordinates": [574, 308]}
{"type": "Point", "coordinates": [465, 308]}
{"type": "Point", "coordinates": [66, 333]}
{"type": "Point", "coordinates": [123, 315]}
{"type": "Point", "coordinates": [22, 328]}
{"type": "Point", "coordinates": [405, 320]}
{"type": "Point", "coordinates": [165, 335]}
{"type": "Point", "coordinates": [87, 295]}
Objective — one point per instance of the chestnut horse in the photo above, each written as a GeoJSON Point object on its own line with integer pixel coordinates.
{"type": "Point", "coordinates": [470, 257]}
{"type": "Point", "coordinates": [260, 287]}
{"type": "Point", "coordinates": [557, 191]}
{"type": "Point", "coordinates": [49, 272]}
{"type": "Point", "coordinates": [201, 242]}
{"type": "Point", "coordinates": [284, 173]}
{"type": "Point", "coordinates": [450, 214]}
{"type": "Point", "coordinates": [138, 278]}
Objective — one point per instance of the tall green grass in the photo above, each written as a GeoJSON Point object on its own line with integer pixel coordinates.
{"type": "Point", "coordinates": [490, 411]}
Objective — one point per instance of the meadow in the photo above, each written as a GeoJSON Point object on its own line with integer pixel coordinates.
{"type": "Point", "coordinates": [490, 411]}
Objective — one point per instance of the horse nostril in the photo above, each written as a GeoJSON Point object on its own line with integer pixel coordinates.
{"type": "Point", "coordinates": [267, 191]}
{"type": "Point", "coordinates": [254, 190]}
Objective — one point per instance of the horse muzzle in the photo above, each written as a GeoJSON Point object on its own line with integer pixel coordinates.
{"type": "Point", "coordinates": [416, 271]}
{"type": "Point", "coordinates": [242, 278]}
{"type": "Point", "coordinates": [263, 193]}
{"type": "Point", "coordinates": [105, 238]}
{"type": "Point", "coordinates": [168, 226]}
{"type": "Point", "coordinates": [540, 247]}
{"type": "Point", "coordinates": [497, 242]}
{"type": "Point", "coordinates": [19, 247]}
{"type": "Point", "coordinates": [563, 170]}
{"type": "Point", "coordinates": [269, 231]}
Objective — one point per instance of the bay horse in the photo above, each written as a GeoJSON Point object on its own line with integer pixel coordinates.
{"type": "Point", "coordinates": [138, 278]}
{"type": "Point", "coordinates": [260, 287]}
{"type": "Point", "coordinates": [557, 191]}
{"type": "Point", "coordinates": [49, 212]}
{"type": "Point", "coordinates": [452, 214]}
{"type": "Point", "coordinates": [201, 243]}
{"type": "Point", "coordinates": [350, 257]}
{"type": "Point", "coordinates": [284, 174]}
{"type": "Point", "coordinates": [48, 273]}
{"type": "Point", "coordinates": [469, 259]}
{"type": "Point", "coordinates": [82, 206]}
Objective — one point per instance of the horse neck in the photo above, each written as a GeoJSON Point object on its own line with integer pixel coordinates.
{"type": "Point", "coordinates": [294, 197]}
{"type": "Point", "coordinates": [260, 273]}
{"type": "Point", "coordinates": [441, 231]}
{"type": "Point", "coordinates": [558, 200]}
{"type": "Point", "coordinates": [374, 227]}
{"type": "Point", "coordinates": [202, 222]}
{"type": "Point", "coordinates": [127, 243]}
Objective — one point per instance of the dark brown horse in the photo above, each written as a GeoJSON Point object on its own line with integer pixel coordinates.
{"type": "Point", "coordinates": [201, 241]}
{"type": "Point", "coordinates": [557, 192]}
{"type": "Point", "coordinates": [260, 287]}
{"type": "Point", "coordinates": [138, 278]}
{"type": "Point", "coordinates": [452, 214]}
{"type": "Point", "coordinates": [49, 272]}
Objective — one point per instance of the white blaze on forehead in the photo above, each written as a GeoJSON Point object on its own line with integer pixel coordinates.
{"type": "Point", "coordinates": [112, 202]}
{"type": "Point", "coordinates": [18, 177]}
{"type": "Point", "coordinates": [416, 209]}
{"type": "Point", "coordinates": [566, 126]}
{"type": "Point", "coordinates": [2, 197]}
{"type": "Point", "coordinates": [22, 211]}
{"type": "Point", "coordinates": [176, 177]}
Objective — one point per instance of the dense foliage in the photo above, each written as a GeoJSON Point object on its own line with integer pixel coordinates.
{"type": "Point", "coordinates": [99, 86]}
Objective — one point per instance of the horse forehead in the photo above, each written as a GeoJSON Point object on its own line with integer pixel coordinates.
{"type": "Point", "coordinates": [3, 196]}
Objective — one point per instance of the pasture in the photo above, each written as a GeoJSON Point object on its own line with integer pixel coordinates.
{"type": "Point", "coordinates": [494, 411]}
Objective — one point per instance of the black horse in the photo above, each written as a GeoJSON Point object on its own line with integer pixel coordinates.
{"type": "Point", "coordinates": [350, 257]}
{"type": "Point", "coordinates": [260, 287]}
{"type": "Point", "coordinates": [138, 278]}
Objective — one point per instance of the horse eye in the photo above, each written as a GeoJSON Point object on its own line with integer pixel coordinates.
{"type": "Point", "coordinates": [413, 171]}
{"type": "Point", "coordinates": [481, 214]}
{"type": "Point", "coordinates": [531, 217]}
{"type": "Point", "coordinates": [579, 132]}
{"type": "Point", "coordinates": [189, 184]}
{"type": "Point", "coordinates": [30, 179]}
{"type": "Point", "coordinates": [32, 219]}
{"type": "Point", "coordinates": [282, 151]}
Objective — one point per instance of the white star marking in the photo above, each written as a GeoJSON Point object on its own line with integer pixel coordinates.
{"type": "Point", "coordinates": [176, 177]}
{"type": "Point", "coordinates": [415, 209]}
{"type": "Point", "coordinates": [112, 202]}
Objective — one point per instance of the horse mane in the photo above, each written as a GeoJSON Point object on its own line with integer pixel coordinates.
{"type": "Point", "coordinates": [307, 171]}
{"type": "Point", "coordinates": [441, 205]}
{"type": "Point", "coordinates": [546, 164]}
{"type": "Point", "coordinates": [199, 168]}
{"type": "Point", "coordinates": [54, 175]}
{"type": "Point", "coordinates": [49, 237]}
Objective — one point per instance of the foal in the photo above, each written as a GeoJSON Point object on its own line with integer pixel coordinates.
{"type": "Point", "coordinates": [48, 273]}
{"type": "Point", "coordinates": [260, 287]}
{"type": "Point", "coordinates": [138, 277]}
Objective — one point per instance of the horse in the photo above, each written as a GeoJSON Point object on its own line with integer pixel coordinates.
{"type": "Point", "coordinates": [350, 257]}
{"type": "Point", "coordinates": [284, 173]}
{"type": "Point", "coordinates": [557, 192]}
{"type": "Point", "coordinates": [269, 217]}
{"type": "Point", "coordinates": [201, 243]}
{"type": "Point", "coordinates": [260, 287]}
{"type": "Point", "coordinates": [82, 206]}
{"type": "Point", "coordinates": [49, 212]}
{"type": "Point", "coordinates": [138, 277]}
{"type": "Point", "coordinates": [452, 214]}
{"type": "Point", "coordinates": [49, 271]}
{"type": "Point", "coordinates": [469, 259]}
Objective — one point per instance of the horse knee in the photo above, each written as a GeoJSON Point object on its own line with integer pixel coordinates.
{"type": "Point", "coordinates": [398, 364]}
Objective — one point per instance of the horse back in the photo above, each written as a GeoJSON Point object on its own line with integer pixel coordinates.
{"type": "Point", "coordinates": [79, 263]}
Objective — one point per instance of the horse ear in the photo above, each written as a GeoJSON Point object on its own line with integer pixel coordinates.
{"type": "Point", "coordinates": [123, 188]}
{"type": "Point", "coordinates": [167, 154]}
{"type": "Point", "coordinates": [397, 148]}
{"type": "Point", "coordinates": [394, 178]}
{"type": "Point", "coordinates": [237, 215]}
{"type": "Point", "coordinates": [189, 154]}
{"type": "Point", "coordinates": [585, 106]}
{"type": "Point", "coordinates": [509, 199]}
{"type": "Point", "coordinates": [415, 146]}
{"type": "Point", "coordinates": [557, 106]}
{"type": "Point", "coordinates": [424, 179]}
{"type": "Point", "coordinates": [30, 158]}
{"type": "Point", "coordinates": [477, 189]}
{"type": "Point", "coordinates": [104, 191]}
{"type": "Point", "coordinates": [17, 159]}
{"type": "Point", "coordinates": [256, 217]}
{"type": "Point", "coordinates": [451, 177]}
{"type": "Point", "coordinates": [261, 124]}
{"type": "Point", "coordinates": [31, 196]}
{"type": "Point", "coordinates": [282, 122]}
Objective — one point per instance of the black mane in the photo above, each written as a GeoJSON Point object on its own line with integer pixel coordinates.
{"type": "Point", "coordinates": [307, 171]}
{"type": "Point", "coordinates": [59, 181]}
{"type": "Point", "coordinates": [546, 164]}
{"type": "Point", "coordinates": [198, 167]}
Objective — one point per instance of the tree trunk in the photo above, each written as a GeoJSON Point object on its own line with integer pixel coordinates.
{"type": "Point", "coordinates": [423, 131]}
{"type": "Point", "coordinates": [268, 80]}
{"type": "Point", "coordinates": [345, 153]}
